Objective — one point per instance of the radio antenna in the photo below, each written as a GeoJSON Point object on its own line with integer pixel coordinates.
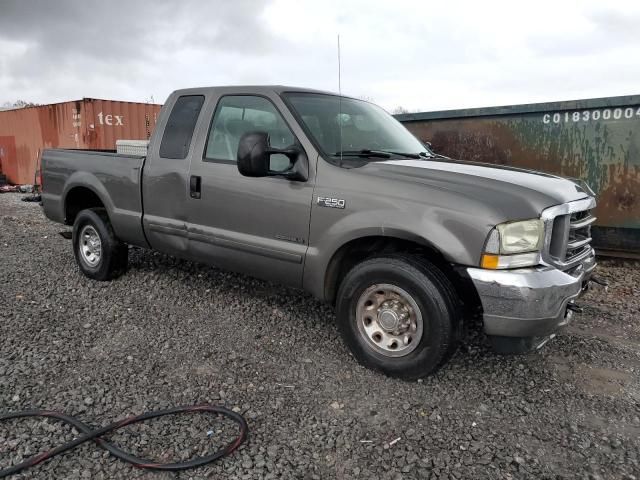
{"type": "Point", "coordinates": [339, 72]}
{"type": "Point", "coordinates": [340, 99]}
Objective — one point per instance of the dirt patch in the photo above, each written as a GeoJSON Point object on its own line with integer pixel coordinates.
{"type": "Point", "coordinates": [603, 380]}
{"type": "Point", "coordinates": [597, 380]}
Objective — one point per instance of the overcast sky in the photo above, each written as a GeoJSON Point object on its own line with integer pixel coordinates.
{"type": "Point", "coordinates": [416, 54]}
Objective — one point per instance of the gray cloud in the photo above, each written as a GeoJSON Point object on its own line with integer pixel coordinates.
{"type": "Point", "coordinates": [113, 46]}
{"type": "Point", "coordinates": [422, 55]}
{"type": "Point", "coordinates": [604, 29]}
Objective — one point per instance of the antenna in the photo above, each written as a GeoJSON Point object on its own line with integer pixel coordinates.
{"type": "Point", "coordinates": [339, 72]}
{"type": "Point", "coordinates": [340, 99]}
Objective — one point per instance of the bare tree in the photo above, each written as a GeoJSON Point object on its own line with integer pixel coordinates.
{"type": "Point", "coordinates": [19, 104]}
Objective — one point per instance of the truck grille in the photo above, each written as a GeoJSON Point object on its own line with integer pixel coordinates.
{"type": "Point", "coordinates": [579, 234]}
{"type": "Point", "coordinates": [568, 233]}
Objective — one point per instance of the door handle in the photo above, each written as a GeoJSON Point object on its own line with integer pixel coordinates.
{"type": "Point", "coordinates": [194, 186]}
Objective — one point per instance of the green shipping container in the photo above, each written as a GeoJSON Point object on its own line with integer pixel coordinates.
{"type": "Point", "coordinates": [596, 140]}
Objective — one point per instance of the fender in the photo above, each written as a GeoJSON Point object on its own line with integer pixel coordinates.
{"type": "Point", "coordinates": [455, 248]}
{"type": "Point", "coordinates": [89, 181]}
{"type": "Point", "coordinates": [126, 224]}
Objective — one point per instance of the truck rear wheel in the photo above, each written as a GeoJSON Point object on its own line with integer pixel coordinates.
{"type": "Point", "coordinates": [99, 254]}
{"type": "Point", "coordinates": [399, 315]}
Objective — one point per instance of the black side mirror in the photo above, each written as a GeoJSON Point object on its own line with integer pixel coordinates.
{"type": "Point", "coordinates": [254, 154]}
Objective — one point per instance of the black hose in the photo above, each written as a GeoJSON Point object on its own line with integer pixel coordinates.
{"type": "Point", "coordinates": [90, 434]}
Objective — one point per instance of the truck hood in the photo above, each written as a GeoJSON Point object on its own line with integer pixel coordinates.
{"type": "Point", "coordinates": [512, 189]}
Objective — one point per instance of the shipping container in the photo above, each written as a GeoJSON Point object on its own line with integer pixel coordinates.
{"type": "Point", "coordinates": [88, 123]}
{"type": "Point", "coordinates": [596, 140]}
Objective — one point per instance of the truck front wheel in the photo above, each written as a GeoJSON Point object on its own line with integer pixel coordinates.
{"type": "Point", "coordinates": [399, 315]}
{"type": "Point", "coordinates": [99, 254]}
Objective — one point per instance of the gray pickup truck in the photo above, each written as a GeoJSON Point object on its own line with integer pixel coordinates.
{"type": "Point", "coordinates": [332, 195]}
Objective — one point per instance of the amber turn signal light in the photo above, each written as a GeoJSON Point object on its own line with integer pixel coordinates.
{"type": "Point", "coordinates": [489, 261]}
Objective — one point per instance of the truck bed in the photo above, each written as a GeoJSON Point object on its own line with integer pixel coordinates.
{"type": "Point", "coordinates": [113, 178]}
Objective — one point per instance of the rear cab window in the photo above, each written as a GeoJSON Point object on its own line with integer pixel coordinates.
{"type": "Point", "coordinates": [176, 139]}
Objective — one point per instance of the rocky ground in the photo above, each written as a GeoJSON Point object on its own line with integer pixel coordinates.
{"type": "Point", "coordinates": [171, 332]}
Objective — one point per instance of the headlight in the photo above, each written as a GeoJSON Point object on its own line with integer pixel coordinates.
{"type": "Point", "coordinates": [519, 237]}
{"type": "Point", "coordinates": [514, 245]}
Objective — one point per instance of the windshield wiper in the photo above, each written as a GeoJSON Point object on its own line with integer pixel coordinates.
{"type": "Point", "coordinates": [432, 155]}
{"type": "Point", "coordinates": [367, 153]}
{"type": "Point", "coordinates": [405, 154]}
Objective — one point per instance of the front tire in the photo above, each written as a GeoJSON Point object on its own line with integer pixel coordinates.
{"type": "Point", "coordinates": [399, 315]}
{"type": "Point", "coordinates": [98, 253]}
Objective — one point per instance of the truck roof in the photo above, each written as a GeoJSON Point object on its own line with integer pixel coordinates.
{"type": "Point", "coordinates": [259, 89]}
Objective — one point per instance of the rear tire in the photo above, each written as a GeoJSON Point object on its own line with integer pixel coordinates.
{"type": "Point", "coordinates": [98, 253]}
{"type": "Point", "coordinates": [399, 315]}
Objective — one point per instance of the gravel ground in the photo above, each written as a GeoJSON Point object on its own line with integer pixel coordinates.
{"type": "Point", "coordinates": [171, 332]}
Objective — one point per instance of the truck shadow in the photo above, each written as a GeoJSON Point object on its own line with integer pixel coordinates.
{"type": "Point", "coordinates": [278, 301]}
{"type": "Point", "coordinates": [288, 335]}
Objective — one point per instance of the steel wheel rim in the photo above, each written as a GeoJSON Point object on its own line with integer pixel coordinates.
{"type": "Point", "coordinates": [90, 246]}
{"type": "Point", "coordinates": [389, 320]}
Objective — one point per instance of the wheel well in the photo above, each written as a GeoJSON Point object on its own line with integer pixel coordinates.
{"type": "Point", "coordinates": [79, 198]}
{"type": "Point", "coordinates": [360, 249]}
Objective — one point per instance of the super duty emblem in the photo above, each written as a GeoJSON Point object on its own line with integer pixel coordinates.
{"type": "Point", "coordinates": [331, 202]}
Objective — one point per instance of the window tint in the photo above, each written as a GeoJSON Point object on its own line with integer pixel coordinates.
{"type": "Point", "coordinates": [237, 115]}
{"type": "Point", "coordinates": [179, 130]}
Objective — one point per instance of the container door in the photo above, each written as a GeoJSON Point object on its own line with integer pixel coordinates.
{"type": "Point", "coordinates": [9, 159]}
{"type": "Point", "coordinates": [165, 178]}
{"type": "Point", "coordinates": [258, 226]}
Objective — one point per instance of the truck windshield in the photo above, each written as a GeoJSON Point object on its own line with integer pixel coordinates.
{"type": "Point", "coordinates": [353, 128]}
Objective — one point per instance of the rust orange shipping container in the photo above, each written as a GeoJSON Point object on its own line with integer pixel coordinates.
{"type": "Point", "coordinates": [88, 123]}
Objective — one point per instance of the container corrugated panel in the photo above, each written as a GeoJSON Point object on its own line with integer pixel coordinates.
{"type": "Point", "coordinates": [87, 123]}
{"type": "Point", "coordinates": [596, 140]}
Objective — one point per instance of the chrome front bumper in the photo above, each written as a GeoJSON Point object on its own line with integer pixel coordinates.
{"type": "Point", "coordinates": [528, 302]}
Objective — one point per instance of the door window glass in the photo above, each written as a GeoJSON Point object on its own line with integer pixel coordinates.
{"type": "Point", "coordinates": [239, 114]}
{"type": "Point", "coordinates": [176, 139]}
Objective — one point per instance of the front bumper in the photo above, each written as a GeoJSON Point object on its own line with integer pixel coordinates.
{"type": "Point", "coordinates": [528, 302]}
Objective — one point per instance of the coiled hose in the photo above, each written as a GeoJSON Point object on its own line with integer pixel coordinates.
{"type": "Point", "coordinates": [91, 434]}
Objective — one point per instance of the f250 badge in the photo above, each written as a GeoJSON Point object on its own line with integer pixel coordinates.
{"type": "Point", "coordinates": [331, 202]}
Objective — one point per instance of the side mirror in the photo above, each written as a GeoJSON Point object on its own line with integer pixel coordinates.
{"type": "Point", "coordinates": [254, 158]}
{"type": "Point", "coordinates": [253, 155]}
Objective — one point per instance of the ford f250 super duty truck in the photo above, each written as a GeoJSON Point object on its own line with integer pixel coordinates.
{"type": "Point", "coordinates": [332, 195]}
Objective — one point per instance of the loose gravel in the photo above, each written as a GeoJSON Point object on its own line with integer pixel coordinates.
{"type": "Point", "coordinates": [171, 332]}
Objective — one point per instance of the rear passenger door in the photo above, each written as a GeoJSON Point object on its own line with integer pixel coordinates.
{"type": "Point", "coordinates": [165, 180]}
{"type": "Point", "coordinates": [258, 226]}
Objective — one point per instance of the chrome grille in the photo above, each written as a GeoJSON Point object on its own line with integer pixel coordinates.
{"type": "Point", "coordinates": [579, 234]}
{"type": "Point", "coordinates": [568, 233]}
